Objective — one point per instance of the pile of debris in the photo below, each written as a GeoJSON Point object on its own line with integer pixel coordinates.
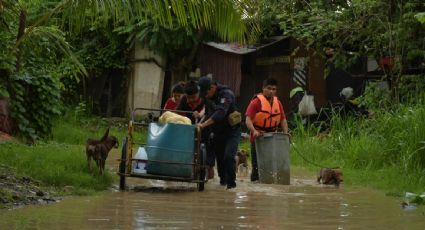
{"type": "Point", "coordinates": [17, 191]}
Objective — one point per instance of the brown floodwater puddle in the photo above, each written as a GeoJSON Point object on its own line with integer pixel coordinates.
{"type": "Point", "coordinates": [170, 205]}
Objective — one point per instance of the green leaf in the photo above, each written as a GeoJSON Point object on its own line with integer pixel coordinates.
{"type": "Point", "coordinates": [420, 17]}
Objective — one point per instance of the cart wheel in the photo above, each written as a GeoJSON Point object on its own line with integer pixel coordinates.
{"type": "Point", "coordinates": [202, 168]}
{"type": "Point", "coordinates": [123, 163]}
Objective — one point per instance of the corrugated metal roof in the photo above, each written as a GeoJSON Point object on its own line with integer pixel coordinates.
{"type": "Point", "coordinates": [238, 48]}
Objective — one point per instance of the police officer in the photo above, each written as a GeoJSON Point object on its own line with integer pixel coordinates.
{"type": "Point", "coordinates": [226, 127]}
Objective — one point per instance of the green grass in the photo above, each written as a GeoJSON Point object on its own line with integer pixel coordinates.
{"type": "Point", "coordinates": [61, 162]}
{"type": "Point", "coordinates": [54, 164]}
{"type": "Point", "coordinates": [386, 152]}
{"type": "Point", "coordinates": [70, 131]}
{"type": "Point", "coordinates": [245, 144]}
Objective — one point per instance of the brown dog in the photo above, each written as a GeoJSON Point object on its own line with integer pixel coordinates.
{"type": "Point", "coordinates": [98, 150]}
{"type": "Point", "coordinates": [242, 162]}
{"type": "Point", "coordinates": [330, 176]}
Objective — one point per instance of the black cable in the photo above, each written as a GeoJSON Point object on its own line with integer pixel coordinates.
{"type": "Point", "coordinates": [304, 158]}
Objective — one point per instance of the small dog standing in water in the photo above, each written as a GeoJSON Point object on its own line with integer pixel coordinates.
{"type": "Point", "coordinates": [242, 162]}
{"type": "Point", "coordinates": [98, 150]}
{"type": "Point", "coordinates": [330, 176]}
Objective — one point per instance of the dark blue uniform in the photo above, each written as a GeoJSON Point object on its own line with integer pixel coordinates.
{"type": "Point", "coordinates": [226, 138]}
{"type": "Point", "coordinates": [208, 134]}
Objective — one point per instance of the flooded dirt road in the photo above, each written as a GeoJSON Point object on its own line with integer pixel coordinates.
{"type": "Point", "coordinates": [171, 205]}
{"type": "Point", "coordinates": [158, 205]}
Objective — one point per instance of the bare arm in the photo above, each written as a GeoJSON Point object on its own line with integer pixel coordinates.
{"type": "Point", "coordinates": [206, 123]}
{"type": "Point", "coordinates": [250, 126]}
{"type": "Point", "coordinates": [284, 126]}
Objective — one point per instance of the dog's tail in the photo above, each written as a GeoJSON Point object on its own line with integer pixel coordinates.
{"type": "Point", "coordinates": [105, 135]}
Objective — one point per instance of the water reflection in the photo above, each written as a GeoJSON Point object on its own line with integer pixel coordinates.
{"type": "Point", "coordinates": [159, 205]}
{"type": "Point", "coordinates": [270, 207]}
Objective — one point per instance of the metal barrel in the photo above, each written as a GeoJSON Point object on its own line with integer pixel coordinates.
{"type": "Point", "coordinates": [273, 158]}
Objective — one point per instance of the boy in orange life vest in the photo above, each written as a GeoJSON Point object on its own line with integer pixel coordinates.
{"type": "Point", "coordinates": [264, 114]}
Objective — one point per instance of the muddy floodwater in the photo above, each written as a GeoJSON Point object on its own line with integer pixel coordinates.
{"type": "Point", "coordinates": [171, 205]}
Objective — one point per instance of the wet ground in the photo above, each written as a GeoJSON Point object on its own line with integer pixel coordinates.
{"type": "Point", "coordinates": [171, 205]}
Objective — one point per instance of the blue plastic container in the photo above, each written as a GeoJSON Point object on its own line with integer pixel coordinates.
{"type": "Point", "coordinates": [171, 143]}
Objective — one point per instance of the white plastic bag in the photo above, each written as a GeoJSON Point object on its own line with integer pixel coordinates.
{"type": "Point", "coordinates": [306, 106]}
{"type": "Point", "coordinates": [170, 117]}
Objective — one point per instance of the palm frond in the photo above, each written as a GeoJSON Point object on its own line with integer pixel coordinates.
{"type": "Point", "coordinates": [220, 16]}
{"type": "Point", "coordinates": [56, 39]}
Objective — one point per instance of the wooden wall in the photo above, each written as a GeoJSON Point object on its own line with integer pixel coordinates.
{"type": "Point", "coordinates": [248, 72]}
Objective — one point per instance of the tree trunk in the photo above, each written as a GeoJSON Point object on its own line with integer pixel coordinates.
{"type": "Point", "coordinates": [178, 74]}
{"type": "Point", "coordinates": [21, 32]}
{"type": "Point", "coordinates": [182, 68]}
{"type": "Point", "coordinates": [84, 87]}
{"type": "Point", "coordinates": [109, 96]}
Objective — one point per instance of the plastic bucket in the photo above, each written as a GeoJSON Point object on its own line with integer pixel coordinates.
{"type": "Point", "coordinates": [273, 158]}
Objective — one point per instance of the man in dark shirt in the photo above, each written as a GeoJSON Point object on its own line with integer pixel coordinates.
{"type": "Point", "coordinates": [191, 101]}
{"type": "Point", "coordinates": [226, 136]}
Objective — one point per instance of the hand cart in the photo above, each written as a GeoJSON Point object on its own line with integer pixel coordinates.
{"type": "Point", "coordinates": [174, 152]}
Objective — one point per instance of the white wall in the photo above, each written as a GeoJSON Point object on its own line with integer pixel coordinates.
{"type": "Point", "coordinates": [146, 84]}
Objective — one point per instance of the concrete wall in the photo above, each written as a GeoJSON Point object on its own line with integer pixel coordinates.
{"type": "Point", "coordinates": [147, 80]}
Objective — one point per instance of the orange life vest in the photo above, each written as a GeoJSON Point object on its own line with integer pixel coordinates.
{"type": "Point", "coordinates": [268, 119]}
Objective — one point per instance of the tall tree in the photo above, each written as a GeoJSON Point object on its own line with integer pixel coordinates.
{"type": "Point", "coordinates": [377, 28]}
{"type": "Point", "coordinates": [220, 16]}
{"type": "Point", "coordinates": [173, 28]}
{"type": "Point", "coordinates": [32, 42]}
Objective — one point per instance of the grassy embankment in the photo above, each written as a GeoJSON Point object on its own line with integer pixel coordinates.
{"type": "Point", "coordinates": [61, 161]}
{"type": "Point", "coordinates": [386, 152]}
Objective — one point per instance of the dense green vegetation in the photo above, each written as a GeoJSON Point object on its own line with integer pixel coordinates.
{"type": "Point", "coordinates": [384, 151]}
{"type": "Point", "coordinates": [52, 47]}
